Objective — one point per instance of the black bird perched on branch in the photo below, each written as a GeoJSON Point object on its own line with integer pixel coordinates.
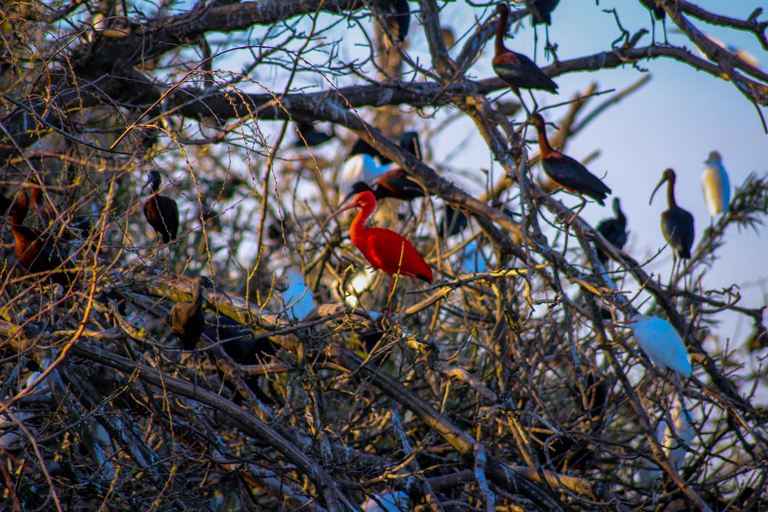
{"type": "Point", "coordinates": [307, 135]}
{"type": "Point", "coordinates": [567, 172]}
{"type": "Point", "coordinates": [187, 318]}
{"type": "Point", "coordinates": [398, 19]}
{"type": "Point", "coordinates": [541, 10]}
{"type": "Point", "coordinates": [36, 251]}
{"type": "Point", "coordinates": [676, 223]}
{"type": "Point", "coordinates": [614, 230]}
{"type": "Point", "coordinates": [161, 212]}
{"type": "Point", "coordinates": [515, 69]}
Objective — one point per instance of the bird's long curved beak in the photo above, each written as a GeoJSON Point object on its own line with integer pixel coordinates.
{"type": "Point", "coordinates": [657, 188]}
{"type": "Point", "coordinates": [141, 192]}
{"type": "Point", "coordinates": [348, 206]}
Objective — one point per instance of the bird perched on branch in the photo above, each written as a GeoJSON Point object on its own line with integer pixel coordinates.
{"type": "Point", "coordinates": [515, 69]}
{"type": "Point", "coordinates": [38, 252]}
{"type": "Point", "coordinates": [384, 249]}
{"type": "Point", "coordinates": [187, 318]}
{"type": "Point", "coordinates": [567, 172]}
{"type": "Point", "coordinates": [614, 230]}
{"type": "Point", "coordinates": [161, 212]}
{"type": "Point", "coordinates": [541, 10]}
{"type": "Point", "coordinates": [661, 343]}
{"type": "Point", "coordinates": [676, 223]}
{"type": "Point", "coordinates": [716, 185]}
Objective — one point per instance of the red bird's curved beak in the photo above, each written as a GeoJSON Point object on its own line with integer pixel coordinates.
{"type": "Point", "coordinates": [348, 206]}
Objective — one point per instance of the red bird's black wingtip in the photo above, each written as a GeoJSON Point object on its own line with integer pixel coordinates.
{"type": "Point", "coordinates": [426, 279]}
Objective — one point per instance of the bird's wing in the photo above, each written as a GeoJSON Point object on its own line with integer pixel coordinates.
{"type": "Point", "coordinates": [395, 255]}
{"type": "Point", "coordinates": [571, 175]}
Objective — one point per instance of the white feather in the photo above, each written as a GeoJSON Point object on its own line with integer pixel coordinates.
{"type": "Point", "coordinates": [297, 299]}
{"type": "Point", "coordinates": [716, 185]}
{"type": "Point", "coordinates": [682, 424]}
{"type": "Point", "coordinates": [360, 168]}
{"type": "Point", "coordinates": [661, 343]}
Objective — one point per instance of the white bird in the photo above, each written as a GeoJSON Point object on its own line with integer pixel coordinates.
{"type": "Point", "coordinates": [717, 187]}
{"type": "Point", "coordinates": [661, 343]}
{"type": "Point", "coordinates": [363, 168]}
{"type": "Point", "coordinates": [297, 299]}
{"type": "Point", "coordinates": [681, 422]}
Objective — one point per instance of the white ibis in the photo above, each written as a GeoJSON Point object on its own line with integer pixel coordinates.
{"type": "Point", "coordinates": [716, 186]}
{"type": "Point", "coordinates": [661, 343]}
{"type": "Point", "coordinates": [297, 298]}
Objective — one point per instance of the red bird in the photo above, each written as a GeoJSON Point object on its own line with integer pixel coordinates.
{"type": "Point", "coordinates": [384, 249]}
{"type": "Point", "coordinates": [567, 172]}
{"type": "Point", "coordinates": [514, 69]}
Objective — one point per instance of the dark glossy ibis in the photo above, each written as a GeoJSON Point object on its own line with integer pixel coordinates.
{"type": "Point", "coordinates": [541, 10]}
{"type": "Point", "coordinates": [514, 69]}
{"type": "Point", "coordinates": [161, 212]}
{"type": "Point", "coordinates": [38, 252]}
{"type": "Point", "coordinates": [676, 223]}
{"type": "Point", "coordinates": [239, 343]}
{"type": "Point", "coordinates": [384, 249]}
{"type": "Point", "coordinates": [454, 221]}
{"type": "Point", "coordinates": [658, 13]}
{"type": "Point", "coordinates": [187, 318]}
{"type": "Point", "coordinates": [308, 136]}
{"type": "Point", "coordinates": [614, 230]}
{"type": "Point", "coordinates": [567, 172]}
{"type": "Point", "coordinates": [397, 16]}
{"type": "Point", "coordinates": [562, 451]}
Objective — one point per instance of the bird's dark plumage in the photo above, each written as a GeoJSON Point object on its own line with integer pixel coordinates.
{"type": "Point", "coordinates": [614, 230]}
{"type": "Point", "coordinates": [515, 69]}
{"type": "Point", "coordinates": [676, 223]}
{"type": "Point", "coordinates": [541, 10]}
{"type": "Point", "coordinates": [161, 212]}
{"type": "Point", "coordinates": [398, 19]}
{"type": "Point", "coordinates": [454, 221]}
{"type": "Point", "coordinates": [307, 135]}
{"type": "Point", "coordinates": [38, 252]}
{"type": "Point", "coordinates": [658, 12]}
{"type": "Point", "coordinates": [187, 318]}
{"type": "Point", "coordinates": [567, 172]}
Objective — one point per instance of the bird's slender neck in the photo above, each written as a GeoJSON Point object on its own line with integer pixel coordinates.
{"type": "Point", "coordinates": [501, 30]}
{"type": "Point", "coordinates": [671, 194]}
{"type": "Point", "coordinates": [357, 229]}
{"type": "Point", "coordinates": [544, 146]}
{"type": "Point", "coordinates": [197, 297]}
{"type": "Point", "coordinates": [20, 210]}
{"type": "Point", "coordinates": [620, 217]}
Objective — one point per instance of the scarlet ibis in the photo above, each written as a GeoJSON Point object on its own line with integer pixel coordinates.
{"type": "Point", "coordinates": [514, 69]}
{"type": "Point", "coordinates": [161, 212]}
{"type": "Point", "coordinates": [567, 172]}
{"type": "Point", "coordinates": [661, 343]}
{"type": "Point", "coordinates": [297, 299]}
{"type": "Point", "coordinates": [384, 249]}
{"type": "Point", "coordinates": [676, 223]}
{"type": "Point", "coordinates": [716, 185]}
{"type": "Point", "coordinates": [614, 230]}
{"type": "Point", "coordinates": [541, 10]}
{"type": "Point", "coordinates": [398, 19]}
{"type": "Point", "coordinates": [682, 425]}
{"type": "Point", "coordinates": [307, 135]}
{"type": "Point", "coordinates": [36, 251]}
{"type": "Point", "coordinates": [187, 319]}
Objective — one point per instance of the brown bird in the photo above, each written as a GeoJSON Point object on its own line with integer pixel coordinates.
{"type": "Point", "coordinates": [515, 69]}
{"type": "Point", "coordinates": [36, 252]}
{"type": "Point", "coordinates": [161, 212]}
{"type": "Point", "coordinates": [187, 318]}
{"type": "Point", "coordinates": [567, 172]}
